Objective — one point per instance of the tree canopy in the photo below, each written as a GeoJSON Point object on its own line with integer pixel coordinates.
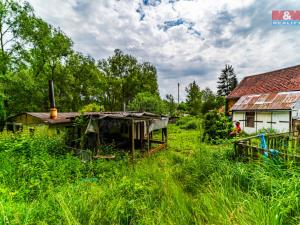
{"type": "Point", "coordinates": [33, 51]}
{"type": "Point", "coordinates": [227, 81]}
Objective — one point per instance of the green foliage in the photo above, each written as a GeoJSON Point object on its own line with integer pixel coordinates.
{"type": "Point", "coordinates": [146, 101]}
{"type": "Point", "coordinates": [227, 81]}
{"type": "Point", "coordinates": [190, 183]}
{"type": "Point", "coordinates": [210, 101]}
{"type": "Point", "coordinates": [189, 122]}
{"type": "Point", "coordinates": [2, 113]}
{"type": "Point", "coordinates": [92, 107]}
{"type": "Point", "coordinates": [201, 101]}
{"type": "Point", "coordinates": [32, 52]}
{"type": "Point", "coordinates": [170, 104]}
{"type": "Point", "coordinates": [194, 98]}
{"type": "Point", "coordinates": [125, 77]}
{"type": "Point", "coordinates": [216, 127]}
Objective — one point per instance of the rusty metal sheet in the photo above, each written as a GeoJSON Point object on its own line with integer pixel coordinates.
{"type": "Point", "coordinates": [271, 101]}
{"type": "Point", "coordinates": [68, 117]}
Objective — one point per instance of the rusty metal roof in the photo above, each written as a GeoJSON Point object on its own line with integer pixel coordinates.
{"type": "Point", "coordinates": [68, 117]}
{"type": "Point", "coordinates": [283, 80]}
{"type": "Point", "coordinates": [272, 101]}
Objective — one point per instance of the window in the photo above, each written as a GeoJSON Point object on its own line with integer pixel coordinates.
{"type": "Point", "coordinates": [14, 127]}
{"type": "Point", "coordinates": [250, 119]}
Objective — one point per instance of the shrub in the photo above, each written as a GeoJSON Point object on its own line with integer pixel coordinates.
{"type": "Point", "coordinates": [216, 126]}
{"type": "Point", "coordinates": [189, 123]}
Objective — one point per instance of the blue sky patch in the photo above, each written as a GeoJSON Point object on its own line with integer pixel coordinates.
{"type": "Point", "coordinates": [151, 2]}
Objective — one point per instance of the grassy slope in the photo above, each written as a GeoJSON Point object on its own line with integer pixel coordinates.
{"type": "Point", "coordinates": [189, 183]}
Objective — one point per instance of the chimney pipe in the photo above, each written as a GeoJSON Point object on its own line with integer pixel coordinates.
{"type": "Point", "coordinates": [53, 110]}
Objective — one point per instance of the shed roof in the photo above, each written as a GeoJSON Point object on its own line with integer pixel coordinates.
{"type": "Point", "coordinates": [272, 101]}
{"type": "Point", "coordinates": [67, 117]}
{"type": "Point", "coordinates": [287, 79]}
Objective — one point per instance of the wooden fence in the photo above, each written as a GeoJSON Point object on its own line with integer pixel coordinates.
{"type": "Point", "coordinates": [285, 146]}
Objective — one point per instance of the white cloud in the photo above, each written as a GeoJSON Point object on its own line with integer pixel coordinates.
{"type": "Point", "coordinates": [208, 35]}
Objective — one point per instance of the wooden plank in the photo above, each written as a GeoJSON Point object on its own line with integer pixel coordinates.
{"type": "Point", "coordinates": [158, 148]}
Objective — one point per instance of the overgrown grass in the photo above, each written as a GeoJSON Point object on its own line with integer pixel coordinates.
{"type": "Point", "coordinates": [188, 183]}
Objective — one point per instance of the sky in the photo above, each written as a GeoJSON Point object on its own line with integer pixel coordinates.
{"type": "Point", "coordinates": [186, 40]}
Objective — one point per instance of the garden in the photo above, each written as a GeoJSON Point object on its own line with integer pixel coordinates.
{"type": "Point", "coordinates": [190, 182]}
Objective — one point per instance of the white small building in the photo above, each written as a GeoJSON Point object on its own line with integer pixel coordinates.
{"type": "Point", "coordinates": [267, 101]}
{"type": "Point", "coordinates": [269, 111]}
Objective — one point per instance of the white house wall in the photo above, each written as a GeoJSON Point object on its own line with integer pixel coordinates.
{"type": "Point", "coordinates": [280, 121]}
{"type": "Point", "coordinates": [262, 119]}
{"type": "Point", "coordinates": [238, 117]}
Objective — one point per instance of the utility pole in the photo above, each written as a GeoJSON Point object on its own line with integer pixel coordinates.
{"type": "Point", "coordinates": [178, 93]}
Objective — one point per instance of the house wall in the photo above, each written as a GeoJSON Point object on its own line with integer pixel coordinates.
{"type": "Point", "coordinates": [239, 117]}
{"type": "Point", "coordinates": [32, 123]}
{"type": "Point", "coordinates": [281, 121]}
{"type": "Point", "coordinates": [277, 120]}
{"type": "Point", "coordinates": [263, 120]}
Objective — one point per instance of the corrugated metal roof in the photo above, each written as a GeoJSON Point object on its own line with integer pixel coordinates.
{"type": "Point", "coordinates": [273, 101]}
{"type": "Point", "coordinates": [67, 117]}
{"type": "Point", "coordinates": [286, 79]}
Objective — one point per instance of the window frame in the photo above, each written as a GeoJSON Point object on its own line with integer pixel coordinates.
{"type": "Point", "coordinates": [250, 119]}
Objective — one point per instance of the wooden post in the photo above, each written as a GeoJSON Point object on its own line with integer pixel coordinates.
{"type": "Point", "coordinates": [132, 141]}
{"type": "Point", "coordinates": [166, 134]}
{"type": "Point", "coordinates": [148, 136]}
{"type": "Point", "coordinates": [142, 134]}
{"type": "Point", "coordinates": [151, 134]}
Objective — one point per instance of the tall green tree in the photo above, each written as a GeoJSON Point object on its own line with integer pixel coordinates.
{"type": "Point", "coordinates": [194, 98]}
{"type": "Point", "coordinates": [13, 17]}
{"type": "Point", "coordinates": [227, 81]}
{"type": "Point", "coordinates": [171, 105]}
{"type": "Point", "coordinates": [211, 101]}
{"type": "Point", "coordinates": [145, 101]}
{"type": "Point", "coordinates": [125, 78]}
{"type": "Point", "coordinates": [40, 59]}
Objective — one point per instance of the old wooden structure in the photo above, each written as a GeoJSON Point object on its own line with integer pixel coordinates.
{"type": "Point", "coordinates": [90, 131]}
{"type": "Point", "coordinates": [125, 130]}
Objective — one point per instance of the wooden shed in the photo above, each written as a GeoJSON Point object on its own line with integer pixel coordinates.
{"type": "Point", "coordinates": [128, 130]}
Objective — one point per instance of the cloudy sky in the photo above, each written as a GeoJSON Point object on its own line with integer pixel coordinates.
{"type": "Point", "coordinates": [185, 39]}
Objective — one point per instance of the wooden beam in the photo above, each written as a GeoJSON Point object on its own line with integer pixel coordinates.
{"type": "Point", "coordinates": [132, 140]}
{"type": "Point", "coordinates": [148, 135]}
{"type": "Point", "coordinates": [142, 134]}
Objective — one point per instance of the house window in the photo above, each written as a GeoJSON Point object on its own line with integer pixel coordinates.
{"type": "Point", "coordinates": [250, 119]}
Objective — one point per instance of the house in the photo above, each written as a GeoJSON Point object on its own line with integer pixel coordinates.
{"type": "Point", "coordinates": [270, 100]}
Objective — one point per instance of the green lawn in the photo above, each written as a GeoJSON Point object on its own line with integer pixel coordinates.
{"type": "Point", "coordinates": [188, 183]}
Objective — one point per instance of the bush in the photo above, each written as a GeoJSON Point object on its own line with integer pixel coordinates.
{"type": "Point", "coordinates": [216, 127]}
{"type": "Point", "coordinates": [189, 123]}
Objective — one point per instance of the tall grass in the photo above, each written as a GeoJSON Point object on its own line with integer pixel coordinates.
{"type": "Point", "coordinates": [188, 183]}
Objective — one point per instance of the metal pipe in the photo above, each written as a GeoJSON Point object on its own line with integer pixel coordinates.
{"type": "Point", "coordinates": [51, 94]}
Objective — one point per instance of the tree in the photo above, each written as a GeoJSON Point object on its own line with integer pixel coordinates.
{"type": "Point", "coordinates": [171, 105]}
{"type": "Point", "coordinates": [146, 101]}
{"type": "Point", "coordinates": [216, 126]}
{"type": "Point", "coordinates": [211, 101]}
{"type": "Point", "coordinates": [125, 78]}
{"type": "Point", "coordinates": [227, 81]}
{"type": "Point", "coordinates": [13, 18]}
{"type": "Point", "coordinates": [194, 98]}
